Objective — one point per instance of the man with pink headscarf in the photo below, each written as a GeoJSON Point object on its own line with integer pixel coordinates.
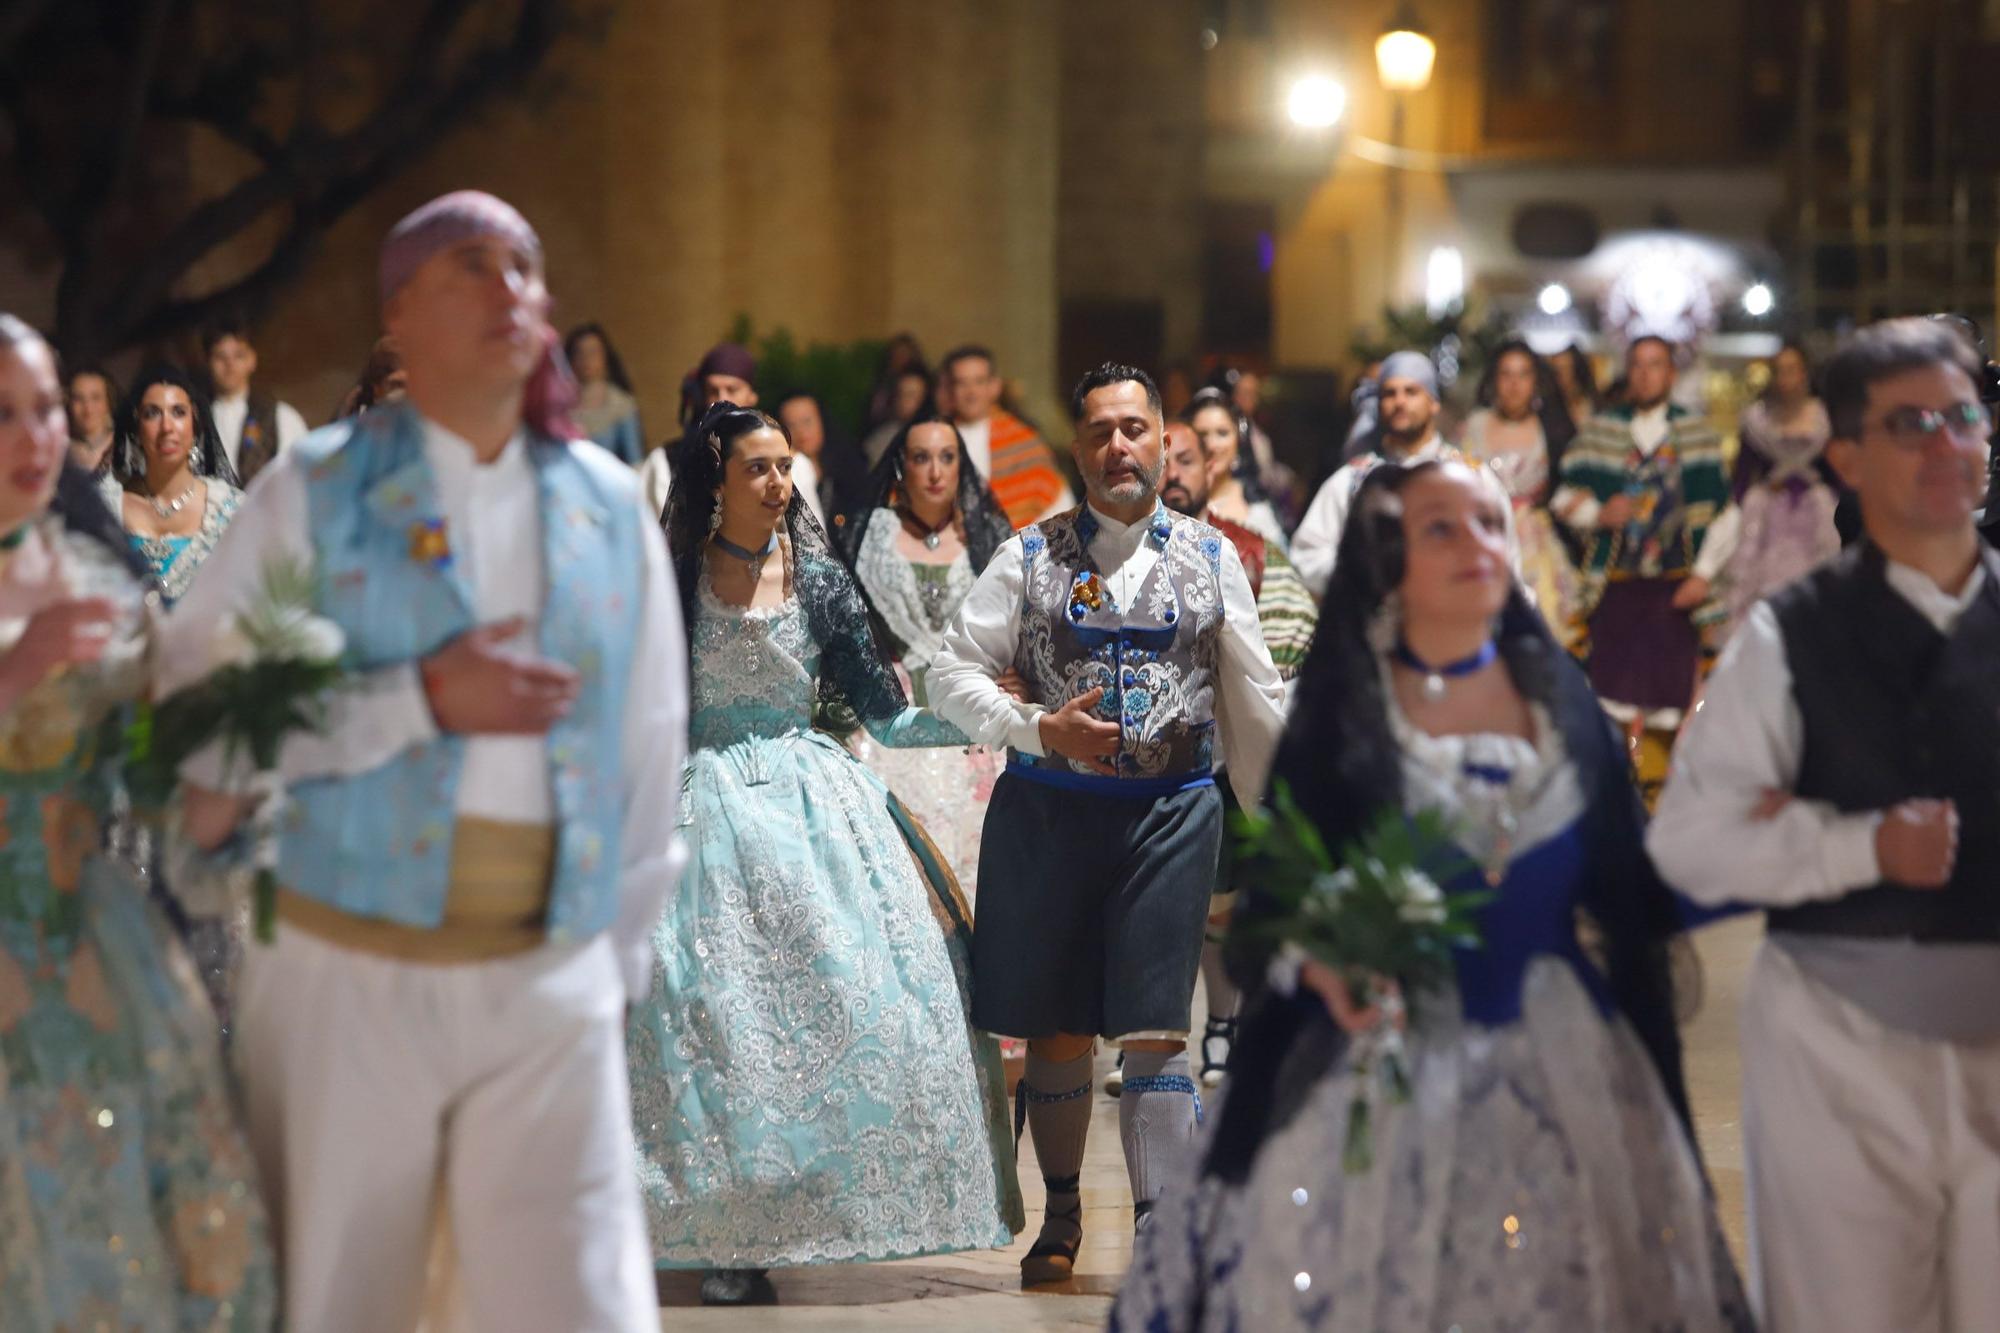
{"type": "Point", "coordinates": [474, 857]}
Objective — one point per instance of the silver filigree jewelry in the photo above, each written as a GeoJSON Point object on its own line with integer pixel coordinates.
{"type": "Point", "coordinates": [168, 508]}
{"type": "Point", "coordinates": [1385, 627]}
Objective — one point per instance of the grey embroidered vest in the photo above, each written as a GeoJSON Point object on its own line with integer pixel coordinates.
{"type": "Point", "coordinates": [1155, 659]}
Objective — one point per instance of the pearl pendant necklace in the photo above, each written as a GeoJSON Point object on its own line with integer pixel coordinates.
{"type": "Point", "coordinates": [1436, 681]}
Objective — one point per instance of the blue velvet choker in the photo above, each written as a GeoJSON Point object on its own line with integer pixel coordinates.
{"type": "Point", "coordinates": [1435, 676]}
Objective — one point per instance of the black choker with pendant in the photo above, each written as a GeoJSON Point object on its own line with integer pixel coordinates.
{"type": "Point", "coordinates": [1435, 677]}
{"type": "Point", "coordinates": [932, 536]}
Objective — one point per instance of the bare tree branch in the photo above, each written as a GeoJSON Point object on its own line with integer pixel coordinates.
{"type": "Point", "coordinates": [322, 179]}
{"type": "Point", "coordinates": [87, 86]}
{"type": "Point", "coordinates": [83, 249]}
{"type": "Point", "coordinates": [236, 129]}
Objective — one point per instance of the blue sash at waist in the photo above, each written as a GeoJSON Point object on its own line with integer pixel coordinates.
{"type": "Point", "coordinates": [1098, 785]}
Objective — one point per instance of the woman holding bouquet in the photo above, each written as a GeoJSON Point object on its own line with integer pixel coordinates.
{"type": "Point", "coordinates": [1542, 1174]}
{"type": "Point", "coordinates": [127, 1197]}
{"type": "Point", "coordinates": [804, 1082]}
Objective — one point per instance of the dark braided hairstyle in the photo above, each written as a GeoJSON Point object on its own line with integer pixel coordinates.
{"type": "Point", "coordinates": [129, 459]}
{"type": "Point", "coordinates": [1245, 467]}
{"type": "Point", "coordinates": [855, 673]}
{"type": "Point", "coordinates": [1551, 408]}
{"type": "Point", "coordinates": [982, 524]}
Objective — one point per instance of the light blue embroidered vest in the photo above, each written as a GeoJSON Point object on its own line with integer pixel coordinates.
{"type": "Point", "coordinates": [1155, 659]}
{"type": "Point", "coordinates": [378, 845]}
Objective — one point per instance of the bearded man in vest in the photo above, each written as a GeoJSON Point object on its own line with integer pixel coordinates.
{"type": "Point", "coordinates": [1137, 635]}
{"type": "Point", "coordinates": [1844, 774]}
{"type": "Point", "coordinates": [475, 855]}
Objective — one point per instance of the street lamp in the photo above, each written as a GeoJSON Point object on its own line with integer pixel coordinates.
{"type": "Point", "coordinates": [1404, 58]}
{"type": "Point", "coordinates": [1316, 102]}
{"type": "Point", "coordinates": [1405, 53]}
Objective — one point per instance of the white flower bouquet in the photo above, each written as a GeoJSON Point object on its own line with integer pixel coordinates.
{"type": "Point", "coordinates": [275, 666]}
{"type": "Point", "coordinates": [1376, 916]}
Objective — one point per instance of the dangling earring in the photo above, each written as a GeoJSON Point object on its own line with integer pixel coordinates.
{"type": "Point", "coordinates": [715, 517]}
{"type": "Point", "coordinates": [1385, 627]}
{"type": "Point", "coordinates": [195, 458]}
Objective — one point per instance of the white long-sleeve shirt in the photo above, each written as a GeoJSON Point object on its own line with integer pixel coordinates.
{"type": "Point", "coordinates": [230, 414]}
{"type": "Point", "coordinates": [493, 514]}
{"type": "Point", "coordinates": [1749, 738]}
{"type": "Point", "coordinates": [981, 643]}
{"type": "Point", "coordinates": [656, 481]}
{"type": "Point", "coordinates": [1316, 541]}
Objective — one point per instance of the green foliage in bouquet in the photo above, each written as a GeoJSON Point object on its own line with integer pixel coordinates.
{"type": "Point", "coordinates": [1377, 909]}
{"type": "Point", "coordinates": [276, 665]}
{"type": "Point", "coordinates": [1374, 915]}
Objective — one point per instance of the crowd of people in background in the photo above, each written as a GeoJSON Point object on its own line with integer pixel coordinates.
{"type": "Point", "coordinates": [938, 658]}
{"type": "Point", "coordinates": [1524, 413]}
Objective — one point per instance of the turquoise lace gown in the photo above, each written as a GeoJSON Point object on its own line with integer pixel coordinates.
{"type": "Point", "coordinates": [215, 943]}
{"type": "Point", "coordinates": [805, 1085]}
{"type": "Point", "coordinates": [175, 560]}
{"type": "Point", "coordinates": [127, 1195]}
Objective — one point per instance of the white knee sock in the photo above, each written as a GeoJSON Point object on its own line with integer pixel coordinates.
{"type": "Point", "coordinates": [1157, 1114]}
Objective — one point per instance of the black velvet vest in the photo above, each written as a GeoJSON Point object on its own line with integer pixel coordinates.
{"type": "Point", "coordinates": [1894, 710]}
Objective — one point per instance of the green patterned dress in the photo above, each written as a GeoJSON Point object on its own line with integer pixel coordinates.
{"type": "Point", "coordinates": [127, 1195]}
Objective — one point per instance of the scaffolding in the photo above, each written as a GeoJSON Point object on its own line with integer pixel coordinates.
{"type": "Point", "coordinates": [1887, 216]}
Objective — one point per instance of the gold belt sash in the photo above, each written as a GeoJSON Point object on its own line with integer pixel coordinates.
{"type": "Point", "coordinates": [496, 906]}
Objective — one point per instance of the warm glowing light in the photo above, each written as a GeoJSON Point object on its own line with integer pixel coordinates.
{"type": "Point", "coordinates": [1553, 299]}
{"type": "Point", "coordinates": [1404, 56]}
{"type": "Point", "coordinates": [1758, 301]}
{"type": "Point", "coordinates": [1444, 281]}
{"type": "Point", "coordinates": [1316, 102]}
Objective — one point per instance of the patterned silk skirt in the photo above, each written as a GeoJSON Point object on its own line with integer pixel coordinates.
{"type": "Point", "coordinates": [128, 1198]}
{"type": "Point", "coordinates": [805, 1086]}
{"type": "Point", "coordinates": [1538, 1179]}
{"type": "Point", "coordinates": [946, 788]}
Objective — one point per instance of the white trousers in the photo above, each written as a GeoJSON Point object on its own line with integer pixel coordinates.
{"type": "Point", "coordinates": [1872, 1163]}
{"type": "Point", "coordinates": [375, 1087]}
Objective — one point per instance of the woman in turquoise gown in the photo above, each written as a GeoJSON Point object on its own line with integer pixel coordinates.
{"type": "Point", "coordinates": [178, 497]}
{"type": "Point", "coordinates": [127, 1195]}
{"type": "Point", "coordinates": [804, 1081]}
{"type": "Point", "coordinates": [179, 489]}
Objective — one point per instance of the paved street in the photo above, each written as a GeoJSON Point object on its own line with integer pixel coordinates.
{"type": "Point", "coordinates": [980, 1293]}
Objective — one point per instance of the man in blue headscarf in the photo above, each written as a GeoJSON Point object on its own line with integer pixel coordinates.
{"type": "Point", "coordinates": [1407, 405]}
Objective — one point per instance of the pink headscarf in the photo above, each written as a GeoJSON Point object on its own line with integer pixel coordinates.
{"type": "Point", "coordinates": [453, 219]}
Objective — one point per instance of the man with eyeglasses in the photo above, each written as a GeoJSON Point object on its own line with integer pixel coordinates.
{"type": "Point", "coordinates": [1844, 775]}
